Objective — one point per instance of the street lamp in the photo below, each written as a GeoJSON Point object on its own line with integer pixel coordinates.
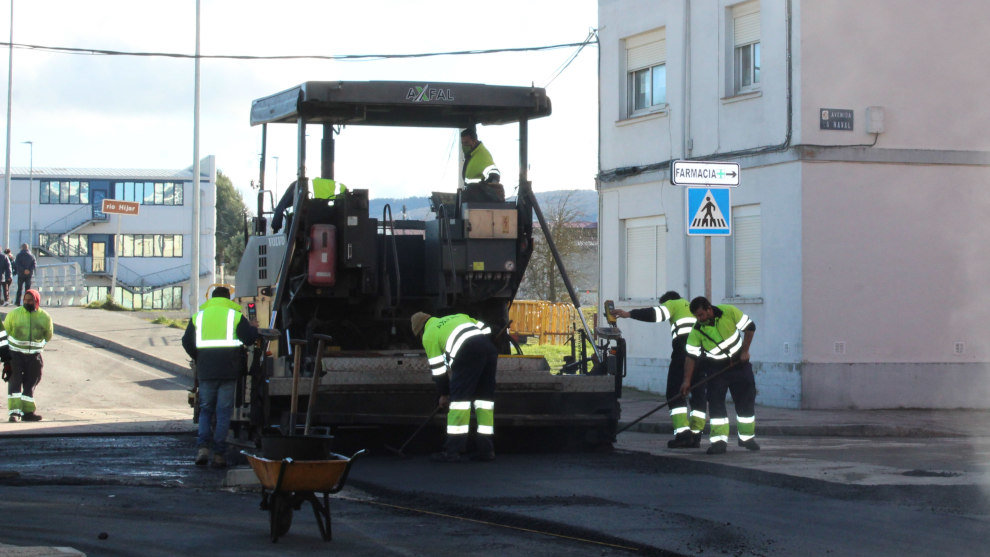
{"type": "Point", "coordinates": [30, 241]}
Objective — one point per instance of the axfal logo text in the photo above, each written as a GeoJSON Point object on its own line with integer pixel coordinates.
{"type": "Point", "coordinates": [426, 93]}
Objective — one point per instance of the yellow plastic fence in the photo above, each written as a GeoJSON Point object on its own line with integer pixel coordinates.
{"type": "Point", "coordinates": [549, 322]}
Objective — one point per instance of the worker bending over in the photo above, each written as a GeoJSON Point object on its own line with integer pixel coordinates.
{"type": "Point", "coordinates": [720, 342]}
{"type": "Point", "coordinates": [676, 310]}
{"type": "Point", "coordinates": [462, 359]}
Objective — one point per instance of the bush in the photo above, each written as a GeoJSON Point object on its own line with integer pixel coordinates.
{"type": "Point", "coordinates": [108, 304]}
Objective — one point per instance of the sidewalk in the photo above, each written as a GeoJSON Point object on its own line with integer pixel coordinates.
{"type": "Point", "coordinates": [134, 335]}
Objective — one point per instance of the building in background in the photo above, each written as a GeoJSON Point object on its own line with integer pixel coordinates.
{"type": "Point", "coordinates": [153, 249]}
{"type": "Point", "coordinates": [858, 227]}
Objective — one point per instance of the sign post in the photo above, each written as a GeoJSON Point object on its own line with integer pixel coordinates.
{"type": "Point", "coordinates": [119, 208]}
{"type": "Point", "coordinates": [708, 210]}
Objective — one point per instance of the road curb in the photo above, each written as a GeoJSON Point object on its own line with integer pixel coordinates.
{"type": "Point", "coordinates": [824, 430]}
{"type": "Point", "coordinates": [123, 350]}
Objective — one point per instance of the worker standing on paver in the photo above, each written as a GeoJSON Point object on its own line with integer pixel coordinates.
{"type": "Point", "coordinates": [720, 341]}
{"type": "Point", "coordinates": [214, 339]}
{"type": "Point", "coordinates": [676, 310]}
{"type": "Point", "coordinates": [463, 360]}
{"type": "Point", "coordinates": [29, 328]}
{"type": "Point", "coordinates": [482, 180]}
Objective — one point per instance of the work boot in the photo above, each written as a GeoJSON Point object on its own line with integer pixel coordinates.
{"type": "Point", "coordinates": [453, 449]}
{"type": "Point", "coordinates": [750, 444]}
{"type": "Point", "coordinates": [485, 449]}
{"type": "Point", "coordinates": [718, 447]}
{"type": "Point", "coordinates": [202, 456]}
{"type": "Point", "coordinates": [31, 417]}
{"type": "Point", "coordinates": [683, 440]}
{"type": "Point", "coordinates": [14, 418]}
{"type": "Point", "coordinates": [695, 440]}
{"type": "Point", "coordinates": [219, 461]}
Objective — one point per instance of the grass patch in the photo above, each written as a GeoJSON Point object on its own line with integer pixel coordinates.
{"type": "Point", "coordinates": [108, 304]}
{"type": "Point", "coordinates": [169, 322]}
{"type": "Point", "coordinates": [554, 353]}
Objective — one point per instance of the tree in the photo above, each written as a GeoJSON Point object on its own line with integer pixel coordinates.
{"type": "Point", "coordinates": [230, 223]}
{"type": "Point", "coordinates": [543, 280]}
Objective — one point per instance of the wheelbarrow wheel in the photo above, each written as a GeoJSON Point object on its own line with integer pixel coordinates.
{"type": "Point", "coordinates": [280, 515]}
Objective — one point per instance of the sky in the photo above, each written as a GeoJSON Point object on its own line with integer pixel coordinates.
{"type": "Point", "coordinates": [97, 111]}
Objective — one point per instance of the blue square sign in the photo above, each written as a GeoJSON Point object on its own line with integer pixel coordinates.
{"type": "Point", "coordinates": [708, 212]}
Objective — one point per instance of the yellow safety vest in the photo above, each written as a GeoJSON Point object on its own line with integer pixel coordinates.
{"type": "Point", "coordinates": [323, 188]}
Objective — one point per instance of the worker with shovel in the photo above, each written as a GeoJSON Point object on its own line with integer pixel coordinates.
{"type": "Point", "coordinates": [462, 359]}
{"type": "Point", "coordinates": [673, 308]}
{"type": "Point", "coordinates": [720, 342]}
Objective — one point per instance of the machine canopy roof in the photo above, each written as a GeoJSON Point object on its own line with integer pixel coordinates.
{"type": "Point", "coordinates": [401, 103]}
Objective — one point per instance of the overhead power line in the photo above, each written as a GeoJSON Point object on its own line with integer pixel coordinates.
{"type": "Point", "coordinates": [338, 57]}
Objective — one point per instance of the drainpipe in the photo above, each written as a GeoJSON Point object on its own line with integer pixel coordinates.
{"type": "Point", "coordinates": [686, 142]}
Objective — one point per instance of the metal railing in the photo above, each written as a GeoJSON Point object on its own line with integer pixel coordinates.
{"type": "Point", "coordinates": [61, 284]}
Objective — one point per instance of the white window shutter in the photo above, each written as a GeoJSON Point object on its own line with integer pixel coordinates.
{"type": "Point", "coordinates": [646, 50]}
{"type": "Point", "coordinates": [746, 24]}
{"type": "Point", "coordinates": [646, 252]}
{"type": "Point", "coordinates": [747, 250]}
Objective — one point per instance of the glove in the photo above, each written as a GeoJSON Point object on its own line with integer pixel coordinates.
{"type": "Point", "coordinates": [6, 371]}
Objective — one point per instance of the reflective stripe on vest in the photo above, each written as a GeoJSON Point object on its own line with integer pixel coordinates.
{"type": "Point", "coordinates": [3, 338]}
{"type": "Point", "coordinates": [26, 346]}
{"type": "Point", "coordinates": [229, 334]}
{"type": "Point", "coordinates": [461, 333]}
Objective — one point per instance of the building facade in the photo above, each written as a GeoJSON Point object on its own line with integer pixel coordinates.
{"type": "Point", "coordinates": [861, 134]}
{"type": "Point", "coordinates": [58, 211]}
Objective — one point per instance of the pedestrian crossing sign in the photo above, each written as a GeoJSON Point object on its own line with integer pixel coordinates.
{"type": "Point", "coordinates": [708, 212]}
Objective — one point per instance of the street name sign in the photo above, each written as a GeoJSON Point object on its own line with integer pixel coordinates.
{"type": "Point", "coordinates": [704, 173]}
{"type": "Point", "coordinates": [708, 212]}
{"type": "Point", "coordinates": [116, 206]}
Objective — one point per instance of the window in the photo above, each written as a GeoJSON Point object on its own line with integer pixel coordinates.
{"type": "Point", "coordinates": [150, 245]}
{"type": "Point", "coordinates": [65, 192]}
{"type": "Point", "coordinates": [149, 193]}
{"type": "Point", "coordinates": [73, 245]}
{"type": "Point", "coordinates": [646, 56]}
{"type": "Point", "coordinates": [746, 252]}
{"type": "Point", "coordinates": [646, 255]}
{"type": "Point", "coordinates": [746, 47]}
{"type": "Point", "coordinates": [169, 297]}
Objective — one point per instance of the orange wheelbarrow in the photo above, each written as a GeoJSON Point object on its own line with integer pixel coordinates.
{"type": "Point", "coordinates": [286, 484]}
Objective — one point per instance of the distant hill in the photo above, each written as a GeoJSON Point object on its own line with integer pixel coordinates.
{"type": "Point", "coordinates": [418, 208]}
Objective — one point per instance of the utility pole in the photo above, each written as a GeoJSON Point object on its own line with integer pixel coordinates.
{"type": "Point", "coordinates": [30, 241]}
{"type": "Point", "coordinates": [194, 265]}
{"type": "Point", "coordinates": [10, 82]}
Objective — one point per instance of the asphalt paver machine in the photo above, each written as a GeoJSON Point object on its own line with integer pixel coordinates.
{"type": "Point", "coordinates": [338, 272]}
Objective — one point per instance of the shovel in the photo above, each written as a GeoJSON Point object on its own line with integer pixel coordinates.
{"type": "Point", "coordinates": [317, 371]}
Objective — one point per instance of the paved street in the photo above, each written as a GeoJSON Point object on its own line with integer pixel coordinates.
{"type": "Point", "coordinates": [113, 455]}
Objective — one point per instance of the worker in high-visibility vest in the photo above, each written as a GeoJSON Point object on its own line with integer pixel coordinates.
{"type": "Point", "coordinates": [323, 188]}
{"type": "Point", "coordinates": [676, 310]}
{"type": "Point", "coordinates": [481, 177]}
{"type": "Point", "coordinates": [28, 328]}
{"type": "Point", "coordinates": [720, 341]}
{"type": "Point", "coordinates": [214, 340]}
{"type": "Point", "coordinates": [462, 359]}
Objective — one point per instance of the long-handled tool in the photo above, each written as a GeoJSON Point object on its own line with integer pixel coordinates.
{"type": "Point", "coordinates": [297, 350]}
{"type": "Point", "coordinates": [422, 426]}
{"type": "Point", "coordinates": [675, 398]}
{"type": "Point", "coordinates": [317, 372]}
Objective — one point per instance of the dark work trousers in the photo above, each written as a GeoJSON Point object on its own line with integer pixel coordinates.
{"type": "Point", "coordinates": [5, 286]}
{"type": "Point", "coordinates": [739, 382]}
{"type": "Point", "coordinates": [25, 374]}
{"type": "Point", "coordinates": [675, 376]}
{"type": "Point", "coordinates": [23, 285]}
{"type": "Point", "coordinates": [472, 376]}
